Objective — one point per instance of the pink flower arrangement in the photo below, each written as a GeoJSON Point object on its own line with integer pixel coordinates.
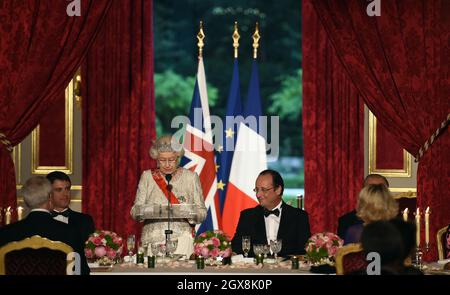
{"type": "Point", "coordinates": [322, 247]}
{"type": "Point", "coordinates": [212, 244]}
{"type": "Point", "coordinates": [103, 244]}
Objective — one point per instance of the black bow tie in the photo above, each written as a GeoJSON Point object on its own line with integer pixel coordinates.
{"type": "Point", "coordinates": [64, 213]}
{"type": "Point", "coordinates": [275, 212]}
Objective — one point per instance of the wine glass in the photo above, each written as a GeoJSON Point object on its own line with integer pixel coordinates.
{"type": "Point", "coordinates": [275, 246]}
{"type": "Point", "coordinates": [131, 241]}
{"type": "Point", "coordinates": [162, 250]}
{"type": "Point", "coordinates": [246, 245]}
{"type": "Point", "coordinates": [171, 247]}
{"type": "Point", "coordinates": [154, 249]}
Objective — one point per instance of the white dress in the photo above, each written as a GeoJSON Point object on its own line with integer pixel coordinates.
{"type": "Point", "coordinates": [186, 187]}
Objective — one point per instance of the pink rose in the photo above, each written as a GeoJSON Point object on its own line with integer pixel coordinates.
{"type": "Point", "coordinates": [319, 243]}
{"type": "Point", "coordinates": [117, 240]}
{"type": "Point", "coordinates": [205, 252]}
{"type": "Point", "coordinates": [88, 253]}
{"type": "Point", "coordinates": [100, 251]}
{"type": "Point", "coordinates": [332, 251]}
{"type": "Point", "coordinates": [97, 241]}
{"type": "Point", "coordinates": [215, 242]}
{"type": "Point", "coordinates": [214, 252]}
{"type": "Point", "coordinates": [111, 253]}
{"type": "Point", "coordinates": [197, 249]}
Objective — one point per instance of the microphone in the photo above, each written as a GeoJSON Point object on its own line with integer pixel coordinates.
{"type": "Point", "coordinates": [168, 179]}
{"type": "Point", "coordinates": [168, 231]}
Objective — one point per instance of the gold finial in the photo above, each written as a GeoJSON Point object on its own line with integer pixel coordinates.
{"type": "Point", "coordinates": [236, 37]}
{"type": "Point", "coordinates": [256, 37]}
{"type": "Point", "coordinates": [200, 37]}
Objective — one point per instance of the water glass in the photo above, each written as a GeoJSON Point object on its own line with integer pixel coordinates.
{"type": "Point", "coordinates": [275, 246]}
{"type": "Point", "coordinates": [266, 250]}
{"type": "Point", "coordinates": [172, 247]}
{"type": "Point", "coordinates": [154, 249]}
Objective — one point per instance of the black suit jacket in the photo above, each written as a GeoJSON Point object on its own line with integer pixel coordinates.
{"type": "Point", "coordinates": [42, 224]}
{"type": "Point", "coordinates": [82, 222]}
{"type": "Point", "coordinates": [294, 229]}
{"type": "Point", "coordinates": [347, 220]}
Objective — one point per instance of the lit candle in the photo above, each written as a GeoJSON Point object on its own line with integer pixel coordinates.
{"type": "Point", "coordinates": [8, 215]}
{"type": "Point", "coordinates": [405, 215]}
{"type": "Point", "coordinates": [19, 213]}
{"type": "Point", "coordinates": [427, 226]}
{"type": "Point", "coordinates": [418, 227]}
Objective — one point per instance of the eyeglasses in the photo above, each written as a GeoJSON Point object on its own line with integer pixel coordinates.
{"type": "Point", "coordinates": [169, 161]}
{"type": "Point", "coordinates": [263, 190]}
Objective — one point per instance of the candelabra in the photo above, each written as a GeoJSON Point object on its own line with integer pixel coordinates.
{"type": "Point", "coordinates": [418, 254]}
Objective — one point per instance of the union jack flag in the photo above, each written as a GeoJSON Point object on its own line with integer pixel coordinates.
{"type": "Point", "coordinates": [199, 151]}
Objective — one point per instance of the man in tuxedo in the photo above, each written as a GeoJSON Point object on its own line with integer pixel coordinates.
{"type": "Point", "coordinates": [272, 219]}
{"type": "Point", "coordinates": [349, 219]}
{"type": "Point", "coordinates": [60, 197]}
{"type": "Point", "coordinates": [36, 194]}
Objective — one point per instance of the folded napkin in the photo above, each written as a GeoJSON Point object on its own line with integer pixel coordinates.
{"type": "Point", "coordinates": [185, 245]}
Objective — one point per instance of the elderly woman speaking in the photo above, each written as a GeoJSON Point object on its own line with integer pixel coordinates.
{"type": "Point", "coordinates": [154, 189]}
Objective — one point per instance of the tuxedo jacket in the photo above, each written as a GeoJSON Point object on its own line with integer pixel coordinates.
{"type": "Point", "coordinates": [347, 220]}
{"type": "Point", "coordinates": [81, 222]}
{"type": "Point", "coordinates": [293, 230]}
{"type": "Point", "coordinates": [42, 224]}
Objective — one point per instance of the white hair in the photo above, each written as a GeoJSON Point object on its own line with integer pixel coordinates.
{"type": "Point", "coordinates": [36, 191]}
{"type": "Point", "coordinates": [166, 143]}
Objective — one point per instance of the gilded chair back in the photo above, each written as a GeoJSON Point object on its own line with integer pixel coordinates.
{"type": "Point", "coordinates": [442, 243]}
{"type": "Point", "coordinates": [34, 256]}
{"type": "Point", "coordinates": [349, 259]}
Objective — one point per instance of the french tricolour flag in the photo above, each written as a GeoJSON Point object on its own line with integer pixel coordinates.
{"type": "Point", "coordinates": [249, 160]}
{"type": "Point", "coordinates": [199, 150]}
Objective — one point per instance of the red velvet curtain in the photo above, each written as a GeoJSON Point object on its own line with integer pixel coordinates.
{"type": "Point", "coordinates": [40, 49]}
{"type": "Point", "coordinates": [400, 63]}
{"type": "Point", "coordinates": [333, 129]}
{"type": "Point", "coordinates": [118, 114]}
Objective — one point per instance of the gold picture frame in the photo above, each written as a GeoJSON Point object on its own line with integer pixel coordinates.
{"type": "Point", "coordinates": [68, 165]}
{"type": "Point", "coordinates": [407, 158]}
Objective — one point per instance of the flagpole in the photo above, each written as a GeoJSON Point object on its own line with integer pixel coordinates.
{"type": "Point", "coordinates": [256, 36]}
{"type": "Point", "coordinates": [236, 37]}
{"type": "Point", "coordinates": [200, 37]}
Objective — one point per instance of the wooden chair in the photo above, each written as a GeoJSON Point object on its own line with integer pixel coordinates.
{"type": "Point", "coordinates": [349, 259]}
{"type": "Point", "coordinates": [441, 242]}
{"type": "Point", "coordinates": [34, 256]}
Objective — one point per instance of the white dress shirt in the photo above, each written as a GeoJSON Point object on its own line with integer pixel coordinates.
{"type": "Point", "coordinates": [272, 224]}
{"type": "Point", "coordinates": [60, 217]}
